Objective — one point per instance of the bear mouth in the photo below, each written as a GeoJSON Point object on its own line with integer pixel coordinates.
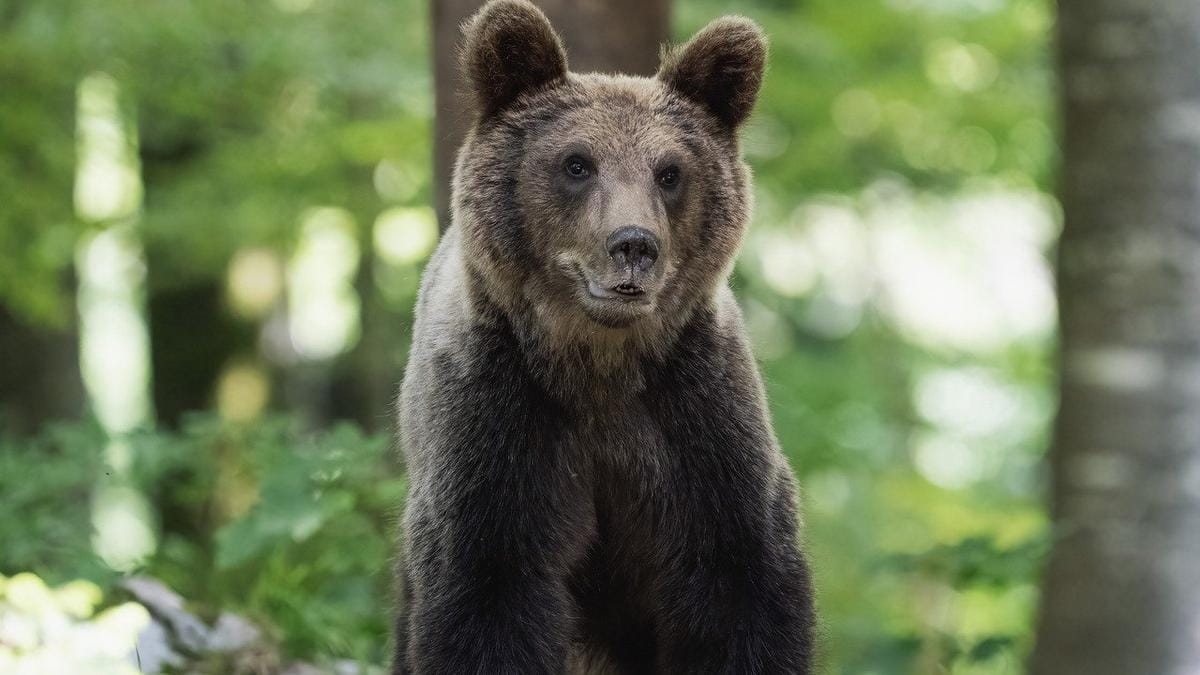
{"type": "Point", "coordinates": [626, 291]}
{"type": "Point", "coordinates": [615, 305]}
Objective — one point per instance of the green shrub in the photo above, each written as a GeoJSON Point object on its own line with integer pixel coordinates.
{"type": "Point", "coordinates": [294, 529]}
{"type": "Point", "coordinates": [46, 486]}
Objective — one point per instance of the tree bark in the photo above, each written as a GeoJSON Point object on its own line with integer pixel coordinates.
{"type": "Point", "coordinates": [39, 375]}
{"type": "Point", "coordinates": [600, 35]}
{"type": "Point", "coordinates": [1122, 590]}
{"type": "Point", "coordinates": [192, 338]}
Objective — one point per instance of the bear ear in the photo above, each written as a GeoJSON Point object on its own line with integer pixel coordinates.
{"type": "Point", "coordinates": [721, 68]}
{"type": "Point", "coordinates": [509, 48]}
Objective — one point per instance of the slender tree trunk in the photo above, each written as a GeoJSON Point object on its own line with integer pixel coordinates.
{"type": "Point", "coordinates": [600, 35]}
{"type": "Point", "coordinates": [1122, 591]}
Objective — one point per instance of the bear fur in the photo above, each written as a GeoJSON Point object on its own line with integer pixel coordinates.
{"type": "Point", "coordinates": [595, 484]}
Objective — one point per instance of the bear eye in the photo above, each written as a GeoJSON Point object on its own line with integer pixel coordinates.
{"type": "Point", "coordinates": [576, 167]}
{"type": "Point", "coordinates": [669, 177]}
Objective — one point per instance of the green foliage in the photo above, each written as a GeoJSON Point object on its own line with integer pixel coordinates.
{"type": "Point", "coordinates": [246, 113]}
{"type": "Point", "coordinates": [46, 486]}
{"type": "Point", "coordinates": [37, 148]}
{"type": "Point", "coordinates": [294, 529]}
{"type": "Point", "coordinates": [941, 92]}
{"type": "Point", "coordinates": [976, 561]}
{"type": "Point", "coordinates": [291, 528]}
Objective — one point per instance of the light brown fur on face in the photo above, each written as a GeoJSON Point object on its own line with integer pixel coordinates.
{"type": "Point", "coordinates": [535, 240]}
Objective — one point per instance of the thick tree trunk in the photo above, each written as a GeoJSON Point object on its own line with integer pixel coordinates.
{"type": "Point", "coordinates": [1122, 591]}
{"type": "Point", "coordinates": [39, 375]}
{"type": "Point", "coordinates": [192, 337]}
{"type": "Point", "coordinates": [600, 35]}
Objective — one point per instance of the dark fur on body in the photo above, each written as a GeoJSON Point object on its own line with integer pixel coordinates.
{"type": "Point", "coordinates": [595, 485]}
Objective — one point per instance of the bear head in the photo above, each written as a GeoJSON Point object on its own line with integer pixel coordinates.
{"type": "Point", "coordinates": [609, 203]}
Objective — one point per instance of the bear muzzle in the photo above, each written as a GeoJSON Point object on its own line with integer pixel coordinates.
{"type": "Point", "coordinates": [620, 280]}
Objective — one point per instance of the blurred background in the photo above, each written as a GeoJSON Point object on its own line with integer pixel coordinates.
{"type": "Point", "coordinates": [213, 218]}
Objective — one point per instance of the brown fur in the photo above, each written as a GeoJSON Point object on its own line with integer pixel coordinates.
{"type": "Point", "coordinates": [721, 68]}
{"type": "Point", "coordinates": [510, 49]}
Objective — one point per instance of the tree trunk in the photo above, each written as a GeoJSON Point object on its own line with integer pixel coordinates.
{"type": "Point", "coordinates": [600, 35]}
{"type": "Point", "coordinates": [192, 338]}
{"type": "Point", "coordinates": [39, 375]}
{"type": "Point", "coordinates": [1122, 590]}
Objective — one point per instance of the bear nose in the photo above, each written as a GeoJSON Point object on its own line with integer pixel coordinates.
{"type": "Point", "coordinates": [634, 247]}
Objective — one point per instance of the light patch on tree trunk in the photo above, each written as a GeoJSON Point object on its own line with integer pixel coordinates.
{"type": "Point", "coordinates": [1117, 368]}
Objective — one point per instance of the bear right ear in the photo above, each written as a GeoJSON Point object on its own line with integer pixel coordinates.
{"type": "Point", "coordinates": [509, 49]}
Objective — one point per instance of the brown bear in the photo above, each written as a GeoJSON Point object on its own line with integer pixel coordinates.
{"type": "Point", "coordinates": [595, 484]}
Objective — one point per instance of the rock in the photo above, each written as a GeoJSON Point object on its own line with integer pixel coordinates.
{"type": "Point", "coordinates": [167, 606]}
{"type": "Point", "coordinates": [349, 667]}
{"type": "Point", "coordinates": [340, 667]}
{"type": "Point", "coordinates": [232, 633]}
{"type": "Point", "coordinates": [153, 652]}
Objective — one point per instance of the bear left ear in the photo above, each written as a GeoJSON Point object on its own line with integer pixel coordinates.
{"type": "Point", "coordinates": [721, 68]}
{"type": "Point", "coordinates": [510, 48]}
